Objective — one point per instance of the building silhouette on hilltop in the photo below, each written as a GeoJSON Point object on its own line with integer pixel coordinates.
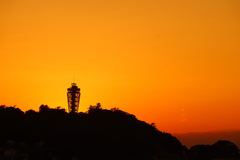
{"type": "Point", "coordinates": [73, 97]}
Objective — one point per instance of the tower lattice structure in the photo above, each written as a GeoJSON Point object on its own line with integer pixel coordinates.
{"type": "Point", "coordinates": [73, 96]}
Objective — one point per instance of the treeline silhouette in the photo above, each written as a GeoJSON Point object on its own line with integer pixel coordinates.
{"type": "Point", "coordinates": [98, 134]}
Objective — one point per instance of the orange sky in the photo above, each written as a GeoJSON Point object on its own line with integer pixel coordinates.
{"type": "Point", "coordinates": [172, 62]}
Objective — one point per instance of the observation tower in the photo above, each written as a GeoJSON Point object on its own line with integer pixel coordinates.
{"type": "Point", "coordinates": [73, 97]}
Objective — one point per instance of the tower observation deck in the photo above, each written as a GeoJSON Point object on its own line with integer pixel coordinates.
{"type": "Point", "coordinates": [73, 97]}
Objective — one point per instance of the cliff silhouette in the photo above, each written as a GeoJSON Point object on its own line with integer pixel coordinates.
{"type": "Point", "coordinates": [98, 134]}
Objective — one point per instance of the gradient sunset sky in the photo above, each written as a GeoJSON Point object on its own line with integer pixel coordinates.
{"type": "Point", "coordinates": [172, 62]}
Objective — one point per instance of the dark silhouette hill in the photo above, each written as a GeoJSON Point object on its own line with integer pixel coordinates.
{"type": "Point", "coordinates": [221, 150]}
{"type": "Point", "coordinates": [193, 138]}
{"type": "Point", "coordinates": [98, 134]}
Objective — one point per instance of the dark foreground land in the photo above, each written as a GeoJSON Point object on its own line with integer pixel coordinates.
{"type": "Point", "coordinates": [99, 134]}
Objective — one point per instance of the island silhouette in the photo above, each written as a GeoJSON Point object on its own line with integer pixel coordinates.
{"type": "Point", "coordinates": [98, 134]}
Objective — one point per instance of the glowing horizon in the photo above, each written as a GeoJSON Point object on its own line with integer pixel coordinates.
{"type": "Point", "coordinates": [174, 63]}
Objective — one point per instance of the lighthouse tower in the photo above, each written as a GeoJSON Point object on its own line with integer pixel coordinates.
{"type": "Point", "coordinates": [73, 97]}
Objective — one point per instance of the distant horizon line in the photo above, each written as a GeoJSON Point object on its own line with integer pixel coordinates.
{"type": "Point", "coordinates": [210, 131]}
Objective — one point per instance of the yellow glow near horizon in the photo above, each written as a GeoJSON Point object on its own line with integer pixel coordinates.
{"type": "Point", "coordinates": [174, 63]}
